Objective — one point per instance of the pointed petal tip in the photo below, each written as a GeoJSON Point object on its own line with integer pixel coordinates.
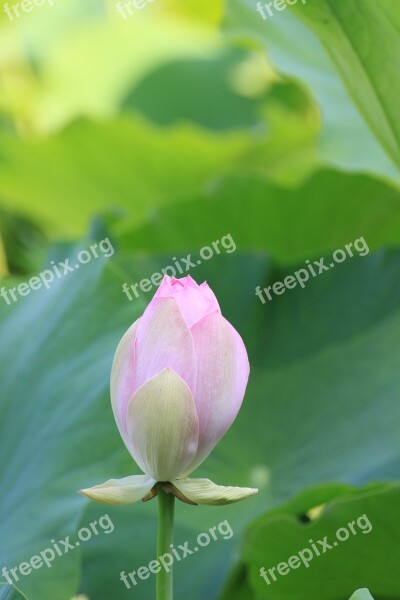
{"type": "Point", "coordinates": [204, 491]}
{"type": "Point", "coordinates": [120, 491]}
{"type": "Point", "coordinates": [89, 493]}
{"type": "Point", "coordinates": [93, 494]}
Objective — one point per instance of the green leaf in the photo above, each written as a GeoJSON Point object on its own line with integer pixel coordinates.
{"type": "Point", "coordinates": [296, 52]}
{"type": "Point", "coordinates": [339, 372]}
{"type": "Point", "coordinates": [218, 107]}
{"type": "Point", "coordinates": [3, 259]}
{"type": "Point", "coordinates": [70, 48]}
{"type": "Point", "coordinates": [238, 586]}
{"type": "Point", "coordinates": [91, 167]}
{"type": "Point", "coordinates": [359, 531]}
{"type": "Point", "coordinates": [9, 592]}
{"type": "Point", "coordinates": [291, 224]}
{"type": "Point", "coordinates": [210, 11]}
{"type": "Point", "coordinates": [364, 44]}
{"type": "Point", "coordinates": [24, 244]}
{"type": "Point", "coordinates": [66, 372]}
{"type": "Point", "coordinates": [266, 448]}
{"type": "Point", "coordinates": [115, 165]}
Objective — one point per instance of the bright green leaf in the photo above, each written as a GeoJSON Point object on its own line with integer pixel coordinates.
{"type": "Point", "coordinates": [296, 52]}
{"type": "Point", "coordinates": [364, 44]}
{"type": "Point", "coordinates": [363, 540]}
{"type": "Point", "coordinates": [327, 212]}
{"type": "Point", "coordinates": [339, 371]}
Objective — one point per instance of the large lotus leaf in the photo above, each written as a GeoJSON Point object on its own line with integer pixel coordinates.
{"type": "Point", "coordinates": [125, 164]}
{"type": "Point", "coordinates": [58, 434]}
{"type": "Point", "coordinates": [328, 211]}
{"type": "Point", "coordinates": [364, 44]}
{"type": "Point", "coordinates": [354, 541]}
{"type": "Point", "coordinates": [340, 339]}
{"type": "Point", "coordinates": [86, 56]}
{"type": "Point", "coordinates": [296, 52]}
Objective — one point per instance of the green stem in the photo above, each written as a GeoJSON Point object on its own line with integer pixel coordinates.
{"type": "Point", "coordinates": [165, 539]}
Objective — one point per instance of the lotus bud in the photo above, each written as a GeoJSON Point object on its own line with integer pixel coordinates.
{"type": "Point", "coordinates": [177, 383]}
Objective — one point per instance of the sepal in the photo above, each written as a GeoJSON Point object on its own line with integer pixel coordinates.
{"type": "Point", "coordinates": [121, 491]}
{"type": "Point", "coordinates": [204, 491]}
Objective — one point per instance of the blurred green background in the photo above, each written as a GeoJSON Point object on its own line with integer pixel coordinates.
{"type": "Point", "coordinates": [186, 122]}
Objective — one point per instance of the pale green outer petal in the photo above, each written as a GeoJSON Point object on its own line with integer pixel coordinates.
{"type": "Point", "coordinates": [120, 491]}
{"type": "Point", "coordinates": [204, 491]}
{"type": "Point", "coordinates": [163, 426]}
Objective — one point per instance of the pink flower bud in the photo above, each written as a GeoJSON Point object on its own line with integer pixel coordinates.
{"type": "Point", "coordinates": [178, 380]}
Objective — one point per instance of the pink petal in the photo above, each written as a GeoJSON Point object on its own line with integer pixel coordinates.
{"type": "Point", "coordinates": [223, 371]}
{"type": "Point", "coordinates": [122, 384]}
{"type": "Point", "coordinates": [195, 301]}
{"type": "Point", "coordinates": [164, 341]}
